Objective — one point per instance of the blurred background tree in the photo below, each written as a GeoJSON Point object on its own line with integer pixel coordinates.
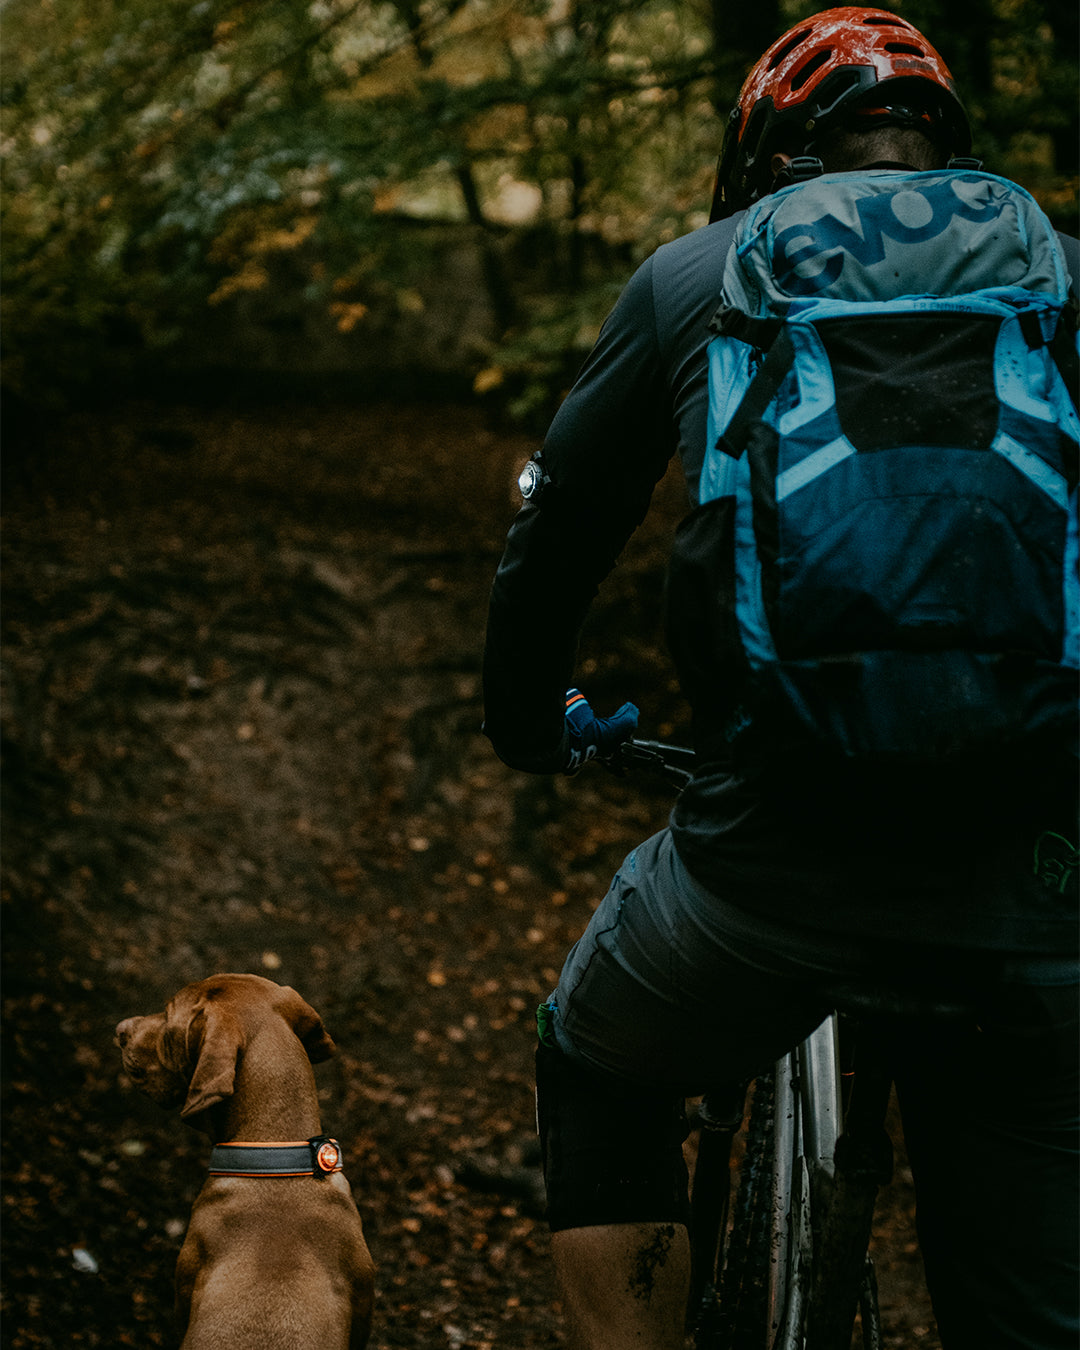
{"type": "Point", "coordinates": [165, 161]}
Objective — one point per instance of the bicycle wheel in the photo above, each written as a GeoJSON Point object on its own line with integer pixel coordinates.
{"type": "Point", "coordinates": [732, 1311]}
{"type": "Point", "coordinates": [793, 1264]}
{"type": "Point", "coordinates": [720, 1117]}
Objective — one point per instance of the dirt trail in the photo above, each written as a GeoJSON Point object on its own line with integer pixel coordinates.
{"type": "Point", "coordinates": [241, 733]}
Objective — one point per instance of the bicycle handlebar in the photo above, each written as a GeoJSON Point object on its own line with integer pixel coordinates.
{"type": "Point", "coordinates": [675, 763]}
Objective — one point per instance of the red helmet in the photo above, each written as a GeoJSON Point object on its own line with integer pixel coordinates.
{"type": "Point", "coordinates": [816, 77]}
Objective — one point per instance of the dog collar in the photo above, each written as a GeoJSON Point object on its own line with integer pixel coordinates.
{"type": "Point", "coordinates": [315, 1157]}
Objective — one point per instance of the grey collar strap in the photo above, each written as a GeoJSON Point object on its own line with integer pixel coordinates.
{"type": "Point", "coordinates": [315, 1157]}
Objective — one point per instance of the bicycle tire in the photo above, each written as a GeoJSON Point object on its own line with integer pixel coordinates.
{"type": "Point", "coordinates": [873, 1335]}
{"type": "Point", "coordinates": [718, 1126]}
{"type": "Point", "coordinates": [735, 1313]}
{"type": "Point", "coordinates": [793, 1265]}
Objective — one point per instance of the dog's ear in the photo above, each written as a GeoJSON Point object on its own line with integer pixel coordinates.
{"type": "Point", "coordinates": [203, 1037]}
{"type": "Point", "coordinates": [219, 1038]}
{"type": "Point", "coordinates": [306, 1023]}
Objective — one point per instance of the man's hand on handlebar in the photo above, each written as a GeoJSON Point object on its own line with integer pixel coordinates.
{"type": "Point", "coordinates": [593, 737]}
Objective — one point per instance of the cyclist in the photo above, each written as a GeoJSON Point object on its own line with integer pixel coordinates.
{"type": "Point", "coordinates": [704, 958]}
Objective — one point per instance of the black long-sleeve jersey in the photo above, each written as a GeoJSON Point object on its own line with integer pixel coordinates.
{"type": "Point", "coordinates": [912, 863]}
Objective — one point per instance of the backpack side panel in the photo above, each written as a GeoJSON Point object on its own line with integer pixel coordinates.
{"type": "Point", "coordinates": [731, 369]}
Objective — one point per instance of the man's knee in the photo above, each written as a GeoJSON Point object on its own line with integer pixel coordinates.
{"type": "Point", "coordinates": [612, 1152]}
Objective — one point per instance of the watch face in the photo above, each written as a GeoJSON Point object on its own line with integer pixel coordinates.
{"type": "Point", "coordinates": [531, 478]}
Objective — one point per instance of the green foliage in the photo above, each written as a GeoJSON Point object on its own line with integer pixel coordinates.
{"type": "Point", "coordinates": [536, 364]}
{"type": "Point", "coordinates": [1015, 65]}
{"type": "Point", "coordinates": [158, 155]}
{"type": "Point", "coordinates": [132, 139]}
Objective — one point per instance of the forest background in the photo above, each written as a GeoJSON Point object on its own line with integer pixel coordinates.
{"type": "Point", "coordinates": [212, 190]}
{"type": "Point", "coordinates": [289, 293]}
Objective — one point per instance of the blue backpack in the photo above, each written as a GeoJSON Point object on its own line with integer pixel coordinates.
{"type": "Point", "coordinates": [893, 445]}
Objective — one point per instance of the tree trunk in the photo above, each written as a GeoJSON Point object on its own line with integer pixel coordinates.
{"type": "Point", "coordinates": [741, 33]}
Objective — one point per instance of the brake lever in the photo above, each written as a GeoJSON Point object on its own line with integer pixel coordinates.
{"type": "Point", "coordinates": [672, 762]}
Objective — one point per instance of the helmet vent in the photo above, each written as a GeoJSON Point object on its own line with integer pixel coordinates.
{"type": "Point", "coordinates": [908, 48]}
{"type": "Point", "coordinates": [789, 47]}
{"type": "Point", "coordinates": [815, 63]}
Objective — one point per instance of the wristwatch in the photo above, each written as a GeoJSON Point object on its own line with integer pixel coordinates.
{"type": "Point", "coordinates": [532, 478]}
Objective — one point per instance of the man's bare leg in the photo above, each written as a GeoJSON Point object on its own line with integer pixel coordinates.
{"type": "Point", "coordinates": [624, 1286]}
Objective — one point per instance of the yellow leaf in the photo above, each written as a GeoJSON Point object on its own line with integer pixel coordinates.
{"type": "Point", "coordinates": [347, 315]}
{"type": "Point", "coordinates": [487, 379]}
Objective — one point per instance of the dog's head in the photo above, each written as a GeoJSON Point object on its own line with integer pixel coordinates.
{"type": "Point", "coordinates": [188, 1053]}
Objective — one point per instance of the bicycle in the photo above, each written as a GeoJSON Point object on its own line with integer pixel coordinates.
{"type": "Point", "coordinates": [787, 1265]}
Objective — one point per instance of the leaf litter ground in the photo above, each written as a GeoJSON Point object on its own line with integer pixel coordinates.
{"type": "Point", "coordinates": [241, 721]}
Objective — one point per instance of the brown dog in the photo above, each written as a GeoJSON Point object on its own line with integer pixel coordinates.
{"type": "Point", "coordinates": [275, 1257]}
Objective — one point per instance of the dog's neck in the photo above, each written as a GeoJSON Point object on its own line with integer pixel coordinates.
{"type": "Point", "coordinates": [275, 1098]}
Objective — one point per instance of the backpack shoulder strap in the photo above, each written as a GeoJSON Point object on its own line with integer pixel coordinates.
{"type": "Point", "coordinates": [760, 332]}
{"type": "Point", "coordinates": [763, 389]}
{"type": "Point", "coordinates": [1063, 348]}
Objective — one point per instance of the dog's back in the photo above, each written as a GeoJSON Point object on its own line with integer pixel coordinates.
{"type": "Point", "coordinates": [244, 1288]}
